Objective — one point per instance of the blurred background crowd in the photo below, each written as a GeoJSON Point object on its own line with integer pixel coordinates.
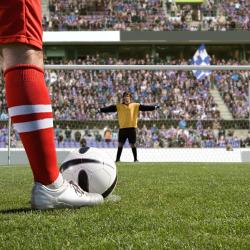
{"type": "Point", "coordinates": [156, 15]}
{"type": "Point", "coordinates": [77, 95]}
{"type": "Point", "coordinates": [191, 115]}
{"type": "Point", "coordinates": [156, 135]}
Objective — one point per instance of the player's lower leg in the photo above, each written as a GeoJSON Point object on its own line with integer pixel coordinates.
{"type": "Point", "coordinates": [134, 150]}
{"type": "Point", "coordinates": [31, 113]}
{"type": "Point", "coordinates": [119, 152]}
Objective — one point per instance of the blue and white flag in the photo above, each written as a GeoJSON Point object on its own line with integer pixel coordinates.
{"type": "Point", "coordinates": [201, 57]}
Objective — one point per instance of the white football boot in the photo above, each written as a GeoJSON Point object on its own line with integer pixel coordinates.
{"type": "Point", "coordinates": [69, 195]}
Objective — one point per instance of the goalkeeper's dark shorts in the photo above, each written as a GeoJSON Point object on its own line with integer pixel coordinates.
{"type": "Point", "coordinates": [127, 133]}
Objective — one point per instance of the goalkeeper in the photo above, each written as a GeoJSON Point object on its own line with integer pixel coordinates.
{"type": "Point", "coordinates": [127, 117]}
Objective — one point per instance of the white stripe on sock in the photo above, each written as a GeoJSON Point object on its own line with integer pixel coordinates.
{"type": "Point", "coordinates": [33, 125]}
{"type": "Point", "coordinates": [29, 109]}
{"type": "Point", "coordinates": [57, 183]}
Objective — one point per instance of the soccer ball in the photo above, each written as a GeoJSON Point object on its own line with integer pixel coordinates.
{"type": "Point", "coordinates": [92, 169]}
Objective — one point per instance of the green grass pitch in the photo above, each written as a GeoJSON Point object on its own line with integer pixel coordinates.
{"type": "Point", "coordinates": [162, 206]}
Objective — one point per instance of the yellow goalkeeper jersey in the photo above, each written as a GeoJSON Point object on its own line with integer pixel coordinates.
{"type": "Point", "coordinates": [127, 115]}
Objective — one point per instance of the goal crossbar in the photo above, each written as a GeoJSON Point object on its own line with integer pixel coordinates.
{"type": "Point", "coordinates": [146, 67]}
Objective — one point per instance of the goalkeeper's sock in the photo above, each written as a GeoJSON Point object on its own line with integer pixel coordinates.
{"type": "Point", "coordinates": [134, 150]}
{"type": "Point", "coordinates": [31, 113]}
{"type": "Point", "coordinates": [119, 152]}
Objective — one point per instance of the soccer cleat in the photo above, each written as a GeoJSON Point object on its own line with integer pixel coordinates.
{"type": "Point", "coordinates": [69, 195]}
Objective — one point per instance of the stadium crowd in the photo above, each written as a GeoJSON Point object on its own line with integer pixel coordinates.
{"type": "Point", "coordinates": [234, 88]}
{"type": "Point", "coordinates": [146, 15]}
{"type": "Point", "coordinates": [154, 136]}
{"type": "Point", "coordinates": [77, 95]}
{"type": "Point", "coordinates": [177, 92]}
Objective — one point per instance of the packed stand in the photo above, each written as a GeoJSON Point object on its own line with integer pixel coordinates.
{"type": "Point", "coordinates": [234, 88]}
{"type": "Point", "coordinates": [211, 15]}
{"type": "Point", "coordinates": [153, 136]}
{"type": "Point", "coordinates": [146, 15]}
{"type": "Point", "coordinates": [233, 15]}
{"type": "Point", "coordinates": [156, 136]}
{"type": "Point", "coordinates": [76, 95]}
{"type": "Point", "coordinates": [182, 136]}
{"type": "Point", "coordinates": [104, 15]}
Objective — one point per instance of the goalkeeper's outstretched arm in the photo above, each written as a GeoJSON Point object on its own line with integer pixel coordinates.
{"type": "Point", "coordinates": [148, 107]}
{"type": "Point", "coordinates": [108, 109]}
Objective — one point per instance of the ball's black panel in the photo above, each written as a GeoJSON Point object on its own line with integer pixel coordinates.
{"type": "Point", "coordinates": [73, 162]}
{"type": "Point", "coordinates": [83, 150]}
{"type": "Point", "coordinates": [110, 189]}
{"type": "Point", "coordinates": [83, 180]}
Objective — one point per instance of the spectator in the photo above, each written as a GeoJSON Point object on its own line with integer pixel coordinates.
{"type": "Point", "coordinates": [83, 143]}
{"type": "Point", "coordinates": [182, 123]}
{"type": "Point", "coordinates": [77, 136]}
{"type": "Point", "coordinates": [107, 135]}
{"type": "Point", "coordinates": [68, 133]}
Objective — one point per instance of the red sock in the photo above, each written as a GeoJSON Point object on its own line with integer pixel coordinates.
{"type": "Point", "coordinates": [31, 114]}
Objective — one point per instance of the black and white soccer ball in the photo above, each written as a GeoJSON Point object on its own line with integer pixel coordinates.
{"type": "Point", "coordinates": [92, 169]}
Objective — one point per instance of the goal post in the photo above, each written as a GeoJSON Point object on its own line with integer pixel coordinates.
{"type": "Point", "coordinates": [156, 67]}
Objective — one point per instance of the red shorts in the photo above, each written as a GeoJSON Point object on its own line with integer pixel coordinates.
{"type": "Point", "coordinates": [21, 22]}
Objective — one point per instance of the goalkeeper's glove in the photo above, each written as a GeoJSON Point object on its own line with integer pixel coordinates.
{"type": "Point", "coordinates": [98, 111]}
{"type": "Point", "coordinates": [157, 107]}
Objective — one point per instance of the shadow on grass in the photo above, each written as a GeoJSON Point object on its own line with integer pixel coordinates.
{"type": "Point", "coordinates": [17, 210]}
{"type": "Point", "coordinates": [27, 210]}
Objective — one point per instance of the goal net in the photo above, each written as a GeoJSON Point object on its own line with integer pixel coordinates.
{"type": "Point", "coordinates": [212, 112]}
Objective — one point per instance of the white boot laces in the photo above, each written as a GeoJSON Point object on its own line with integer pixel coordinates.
{"type": "Point", "coordinates": [77, 189]}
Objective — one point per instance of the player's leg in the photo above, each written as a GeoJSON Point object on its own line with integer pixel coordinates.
{"type": "Point", "coordinates": [29, 103]}
{"type": "Point", "coordinates": [26, 92]}
{"type": "Point", "coordinates": [31, 113]}
{"type": "Point", "coordinates": [122, 136]}
{"type": "Point", "coordinates": [134, 151]}
{"type": "Point", "coordinates": [119, 151]}
{"type": "Point", "coordinates": [132, 142]}
{"type": "Point", "coordinates": [30, 109]}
